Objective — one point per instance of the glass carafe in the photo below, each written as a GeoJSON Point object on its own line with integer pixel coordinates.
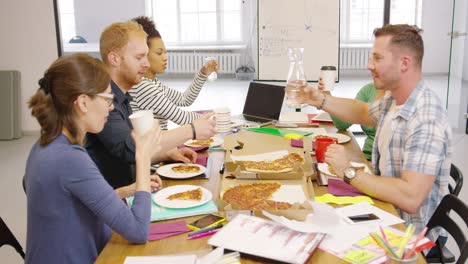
{"type": "Point", "coordinates": [296, 79]}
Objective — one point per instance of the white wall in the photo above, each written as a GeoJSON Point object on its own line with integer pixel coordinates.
{"type": "Point", "coordinates": [465, 60]}
{"type": "Point", "coordinates": [436, 23]}
{"type": "Point", "coordinates": [94, 16]}
{"type": "Point", "coordinates": [28, 45]}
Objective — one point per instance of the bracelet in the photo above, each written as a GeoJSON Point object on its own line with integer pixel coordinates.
{"type": "Point", "coordinates": [194, 133]}
{"type": "Point", "coordinates": [323, 102]}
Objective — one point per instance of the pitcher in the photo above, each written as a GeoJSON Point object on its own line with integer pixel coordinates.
{"type": "Point", "coordinates": [296, 79]}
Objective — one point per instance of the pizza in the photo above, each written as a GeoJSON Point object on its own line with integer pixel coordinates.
{"type": "Point", "coordinates": [186, 169]}
{"type": "Point", "coordinates": [195, 195]}
{"type": "Point", "coordinates": [255, 196]}
{"type": "Point", "coordinates": [283, 164]}
{"type": "Point", "coordinates": [202, 143]}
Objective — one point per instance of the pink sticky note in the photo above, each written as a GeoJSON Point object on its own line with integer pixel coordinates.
{"type": "Point", "coordinates": [160, 231]}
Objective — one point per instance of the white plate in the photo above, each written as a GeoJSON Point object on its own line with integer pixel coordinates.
{"type": "Point", "coordinates": [323, 167]}
{"type": "Point", "coordinates": [341, 138]}
{"type": "Point", "coordinates": [160, 198]}
{"type": "Point", "coordinates": [167, 171]}
{"type": "Point", "coordinates": [216, 142]}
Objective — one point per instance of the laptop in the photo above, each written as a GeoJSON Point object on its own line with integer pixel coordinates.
{"type": "Point", "coordinates": [262, 105]}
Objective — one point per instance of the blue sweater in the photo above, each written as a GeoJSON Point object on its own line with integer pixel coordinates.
{"type": "Point", "coordinates": [72, 209]}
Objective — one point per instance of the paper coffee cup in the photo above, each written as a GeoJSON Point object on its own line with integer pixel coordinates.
{"type": "Point", "coordinates": [328, 75]}
{"type": "Point", "coordinates": [214, 75]}
{"type": "Point", "coordinates": [142, 121]}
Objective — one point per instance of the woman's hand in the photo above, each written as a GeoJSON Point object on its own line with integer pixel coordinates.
{"type": "Point", "coordinates": [209, 67]}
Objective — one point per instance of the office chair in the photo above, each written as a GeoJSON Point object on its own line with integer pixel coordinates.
{"type": "Point", "coordinates": [7, 238]}
{"type": "Point", "coordinates": [441, 218]}
{"type": "Point", "coordinates": [457, 177]}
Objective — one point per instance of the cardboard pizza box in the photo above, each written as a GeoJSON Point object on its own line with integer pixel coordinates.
{"type": "Point", "coordinates": [252, 143]}
{"type": "Point", "coordinates": [292, 190]}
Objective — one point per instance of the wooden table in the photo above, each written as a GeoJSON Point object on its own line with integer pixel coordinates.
{"type": "Point", "coordinates": [118, 248]}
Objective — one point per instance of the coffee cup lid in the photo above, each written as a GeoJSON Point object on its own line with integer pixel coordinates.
{"type": "Point", "coordinates": [328, 68]}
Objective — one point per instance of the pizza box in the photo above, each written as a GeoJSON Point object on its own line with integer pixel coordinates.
{"type": "Point", "coordinates": [246, 143]}
{"type": "Point", "coordinates": [295, 191]}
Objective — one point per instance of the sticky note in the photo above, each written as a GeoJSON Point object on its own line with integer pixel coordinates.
{"type": "Point", "coordinates": [358, 256]}
{"type": "Point", "coordinates": [293, 136]}
{"type": "Point", "coordinates": [329, 198]}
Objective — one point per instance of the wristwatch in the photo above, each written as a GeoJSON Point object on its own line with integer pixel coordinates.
{"type": "Point", "coordinates": [349, 174]}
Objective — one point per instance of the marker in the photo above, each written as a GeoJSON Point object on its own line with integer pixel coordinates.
{"type": "Point", "coordinates": [209, 233]}
{"type": "Point", "coordinates": [206, 229]}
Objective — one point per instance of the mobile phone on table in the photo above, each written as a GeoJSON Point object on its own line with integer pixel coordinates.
{"type": "Point", "coordinates": [206, 221]}
{"type": "Point", "coordinates": [362, 218]}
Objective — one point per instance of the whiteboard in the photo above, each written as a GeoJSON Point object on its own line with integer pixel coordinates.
{"type": "Point", "coordinates": [309, 24]}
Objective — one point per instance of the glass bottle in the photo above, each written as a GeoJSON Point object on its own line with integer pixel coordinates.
{"type": "Point", "coordinates": [296, 79]}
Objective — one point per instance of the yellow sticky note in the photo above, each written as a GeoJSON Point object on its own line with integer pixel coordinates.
{"type": "Point", "coordinates": [358, 256]}
{"type": "Point", "coordinates": [329, 198]}
{"type": "Point", "coordinates": [293, 136]}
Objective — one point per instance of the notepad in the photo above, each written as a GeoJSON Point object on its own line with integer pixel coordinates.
{"type": "Point", "coordinates": [159, 213]}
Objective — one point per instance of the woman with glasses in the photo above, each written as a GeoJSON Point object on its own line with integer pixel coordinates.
{"type": "Point", "coordinates": [71, 208]}
{"type": "Point", "coordinates": [152, 94]}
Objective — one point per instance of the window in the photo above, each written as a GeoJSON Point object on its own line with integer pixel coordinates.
{"type": "Point", "coordinates": [67, 20]}
{"type": "Point", "coordinates": [197, 22]}
{"type": "Point", "coordinates": [359, 18]}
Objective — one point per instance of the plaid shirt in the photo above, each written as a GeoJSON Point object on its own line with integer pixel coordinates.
{"type": "Point", "coordinates": [420, 142]}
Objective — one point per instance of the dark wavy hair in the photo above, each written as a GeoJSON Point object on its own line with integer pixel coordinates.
{"type": "Point", "coordinates": [66, 78]}
{"type": "Point", "coordinates": [404, 36]}
{"type": "Point", "coordinates": [149, 27]}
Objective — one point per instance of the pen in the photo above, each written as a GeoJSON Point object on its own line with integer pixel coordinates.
{"type": "Point", "coordinates": [209, 233]}
{"type": "Point", "coordinates": [415, 245]}
{"type": "Point", "coordinates": [383, 234]}
{"type": "Point", "coordinates": [206, 229]}
{"type": "Point", "coordinates": [408, 234]}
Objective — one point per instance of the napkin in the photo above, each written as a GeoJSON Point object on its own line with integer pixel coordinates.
{"type": "Point", "coordinates": [202, 160]}
{"type": "Point", "coordinates": [160, 231]}
{"type": "Point", "coordinates": [196, 149]}
{"type": "Point", "coordinates": [340, 188]}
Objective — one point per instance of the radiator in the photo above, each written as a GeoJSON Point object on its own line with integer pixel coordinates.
{"type": "Point", "coordinates": [192, 61]}
{"type": "Point", "coordinates": [10, 104]}
{"type": "Point", "coordinates": [354, 58]}
{"type": "Point", "coordinates": [351, 58]}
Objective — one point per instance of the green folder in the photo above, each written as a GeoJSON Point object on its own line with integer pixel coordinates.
{"type": "Point", "coordinates": [277, 131]}
{"type": "Point", "coordinates": [162, 213]}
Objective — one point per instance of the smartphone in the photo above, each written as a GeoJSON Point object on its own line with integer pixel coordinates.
{"type": "Point", "coordinates": [362, 218]}
{"type": "Point", "coordinates": [206, 221]}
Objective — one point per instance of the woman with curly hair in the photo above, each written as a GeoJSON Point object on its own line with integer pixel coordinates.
{"type": "Point", "coordinates": [152, 94]}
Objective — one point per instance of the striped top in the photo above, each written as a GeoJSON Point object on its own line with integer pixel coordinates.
{"type": "Point", "coordinates": [165, 102]}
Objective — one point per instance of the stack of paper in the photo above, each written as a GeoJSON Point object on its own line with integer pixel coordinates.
{"type": "Point", "coordinates": [267, 239]}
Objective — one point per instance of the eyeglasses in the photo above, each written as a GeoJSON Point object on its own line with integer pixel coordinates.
{"type": "Point", "coordinates": [109, 97]}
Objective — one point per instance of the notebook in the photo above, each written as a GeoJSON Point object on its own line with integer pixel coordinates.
{"type": "Point", "coordinates": [262, 104]}
{"type": "Point", "coordinates": [162, 213]}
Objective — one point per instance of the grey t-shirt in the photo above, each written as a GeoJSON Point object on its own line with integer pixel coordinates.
{"type": "Point", "coordinates": [72, 209]}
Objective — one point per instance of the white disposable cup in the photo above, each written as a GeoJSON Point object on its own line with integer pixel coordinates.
{"type": "Point", "coordinates": [223, 119]}
{"type": "Point", "coordinates": [214, 75]}
{"type": "Point", "coordinates": [142, 121]}
{"type": "Point", "coordinates": [328, 78]}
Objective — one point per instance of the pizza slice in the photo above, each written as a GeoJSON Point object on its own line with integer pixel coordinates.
{"type": "Point", "coordinates": [194, 195]}
{"type": "Point", "coordinates": [186, 169]}
{"type": "Point", "coordinates": [202, 143]}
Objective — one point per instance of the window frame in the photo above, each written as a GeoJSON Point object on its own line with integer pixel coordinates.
{"type": "Point", "coordinates": [219, 42]}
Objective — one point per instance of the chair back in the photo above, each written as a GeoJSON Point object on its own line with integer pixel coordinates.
{"type": "Point", "coordinates": [7, 238]}
{"type": "Point", "coordinates": [457, 177]}
{"type": "Point", "coordinates": [441, 218]}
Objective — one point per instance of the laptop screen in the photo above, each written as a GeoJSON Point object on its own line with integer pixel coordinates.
{"type": "Point", "coordinates": [264, 100]}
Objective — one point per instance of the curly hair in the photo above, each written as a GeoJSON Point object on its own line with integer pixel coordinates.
{"type": "Point", "coordinates": [67, 78]}
{"type": "Point", "coordinates": [148, 27]}
{"type": "Point", "coordinates": [405, 36]}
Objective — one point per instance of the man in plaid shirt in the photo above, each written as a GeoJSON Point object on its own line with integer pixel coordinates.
{"type": "Point", "coordinates": [411, 154]}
